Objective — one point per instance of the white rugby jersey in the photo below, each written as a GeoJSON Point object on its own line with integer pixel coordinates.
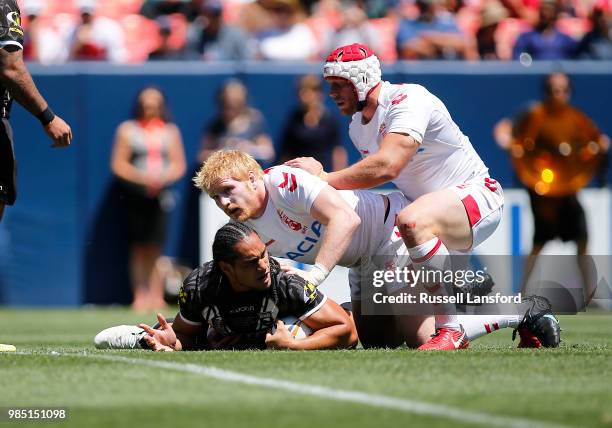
{"type": "Point", "coordinates": [288, 229]}
{"type": "Point", "coordinates": [445, 156]}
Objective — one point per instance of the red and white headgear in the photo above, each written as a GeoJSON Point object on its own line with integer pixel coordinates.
{"type": "Point", "coordinates": [357, 64]}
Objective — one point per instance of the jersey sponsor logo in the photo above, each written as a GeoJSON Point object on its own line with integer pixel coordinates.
{"type": "Point", "coordinates": [399, 99]}
{"type": "Point", "coordinates": [382, 130]}
{"type": "Point", "coordinates": [306, 245]}
{"type": "Point", "coordinates": [289, 178]}
{"type": "Point", "coordinates": [293, 225]}
{"type": "Point", "coordinates": [241, 309]}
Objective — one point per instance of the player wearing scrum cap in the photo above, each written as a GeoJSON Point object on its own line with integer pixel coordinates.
{"type": "Point", "coordinates": [406, 136]}
{"type": "Point", "coordinates": [300, 217]}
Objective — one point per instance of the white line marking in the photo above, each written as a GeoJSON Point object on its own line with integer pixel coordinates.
{"type": "Point", "coordinates": [374, 400]}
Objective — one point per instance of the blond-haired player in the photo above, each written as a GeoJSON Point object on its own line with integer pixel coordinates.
{"type": "Point", "coordinates": [300, 217]}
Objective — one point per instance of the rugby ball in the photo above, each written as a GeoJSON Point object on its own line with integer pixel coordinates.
{"type": "Point", "coordinates": [297, 329]}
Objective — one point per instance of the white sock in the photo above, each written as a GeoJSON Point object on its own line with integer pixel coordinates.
{"type": "Point", "coordinates": [476, 326]}
{"type": "Point", "coordinates": [434, 256]}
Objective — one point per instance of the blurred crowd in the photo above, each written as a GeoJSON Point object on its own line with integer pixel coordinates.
{"type": "Point", "coordinates": [132, 31]}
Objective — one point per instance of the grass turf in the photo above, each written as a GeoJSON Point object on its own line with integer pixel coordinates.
{"type": "Point", "coordinates": [568, 386]}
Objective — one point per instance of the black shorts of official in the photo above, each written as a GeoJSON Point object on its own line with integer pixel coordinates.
{"type": "Point", "coordinates": [561, 217]}
{"type": "Point", "coordinates": [8, 166]}
{"type": "Point", "coordinates": [144, 217]}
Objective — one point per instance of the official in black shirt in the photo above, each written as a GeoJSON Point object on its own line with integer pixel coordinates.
{"type": "Point", "coordinates": [239, 298]}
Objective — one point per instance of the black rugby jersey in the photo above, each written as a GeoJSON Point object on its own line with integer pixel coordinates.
{"type": "Point", "coordinates": [11, 34]}
{"type": "Point", "coordinates": [207, 298]}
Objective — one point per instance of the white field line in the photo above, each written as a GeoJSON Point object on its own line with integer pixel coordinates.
{"type": "Point", "coordinates": [372, 400]}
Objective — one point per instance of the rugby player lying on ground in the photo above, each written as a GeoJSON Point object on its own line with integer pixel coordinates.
{"type": "Point", "coordinates": [292, 212]}
{"type": "Point", "coordinates": [237, 300]}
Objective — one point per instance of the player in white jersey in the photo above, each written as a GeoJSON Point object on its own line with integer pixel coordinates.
{"type": "Point", "coordinates": [300, 217]}
{"type": "Point", "coordinates": [406, 136]}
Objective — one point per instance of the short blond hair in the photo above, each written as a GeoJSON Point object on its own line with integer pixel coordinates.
{"type": "Point", "coordinates": [224, 164]}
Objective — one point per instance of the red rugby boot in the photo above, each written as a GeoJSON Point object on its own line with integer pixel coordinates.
{"type": "Point", "coordinates": [446, 339]}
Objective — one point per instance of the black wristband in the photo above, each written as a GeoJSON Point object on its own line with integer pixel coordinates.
{"type": "Point", "coordinates": [46, 116]}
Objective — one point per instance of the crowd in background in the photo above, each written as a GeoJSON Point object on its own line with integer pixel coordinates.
{"type": "Point", "coordinates": [132, 31]}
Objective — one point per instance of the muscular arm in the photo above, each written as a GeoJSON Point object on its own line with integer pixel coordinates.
{"type": "Point", "coordinates": [341, 222]}
{"type": "Point", "coordinates": [395, 152]}
{"type": "Point", "coordinates": [17, 79]}
{"type": "Point", "coordinates": [333, 329]}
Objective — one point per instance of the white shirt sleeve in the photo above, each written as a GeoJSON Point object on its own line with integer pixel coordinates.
{"type": "Point", "coordinates": [297, 188]}
{"type": "Point", "coordinates": [409, 114]}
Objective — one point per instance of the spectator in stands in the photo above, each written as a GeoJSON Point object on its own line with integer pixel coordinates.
{"type": "Point", "coordinates": [545, 42]}
{"type": "Point", "coordinates": [147, 158]}
{"type": "Point", "coordinates": [354, 28]}
{"type": "Point", "coordinates": [211, 39]}
{"type": "Point", "coordinates": [165, 52]}
{"type": "Point", "coordinates": [491, 14]}
{"type": "Point", "coordinates": [289, 38]}
{"type": "Point", "coordinates": [152, 9]}
{"type": "Point", "coordinates": [433, 35]}
{"type": "Point", "coordinates": [311, 130]}
{"type": "Point", "coordinates": [96, 38]}
{"type": "Point", "coordinates": [41, 43]}
{"type": "Point", "coordinates": [555, 134]}
{"type": "Point", "coordinates": [597, 43]}
{"type": "Point", "coordinates": [237, 127]}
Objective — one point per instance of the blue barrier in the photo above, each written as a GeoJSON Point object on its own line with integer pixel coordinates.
{"type": "Point", "coordinates": [61, 244]}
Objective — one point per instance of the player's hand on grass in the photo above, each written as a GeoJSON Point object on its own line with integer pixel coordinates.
{"type": "Point", "coordinates": [59, 131]}
{"type": "Point", "coordinates": [163, 339]}
{"type": "Point", "coordinates": [281, 337]}
{"type": "Point", "coordinates": [310, 165]}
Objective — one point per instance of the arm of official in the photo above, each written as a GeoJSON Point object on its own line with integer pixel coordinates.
{"type": "Point", "coordinates": [16, 78]}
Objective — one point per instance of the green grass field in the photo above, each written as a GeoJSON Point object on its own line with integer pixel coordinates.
{"type": "Point", "coordinates": [491, 384]}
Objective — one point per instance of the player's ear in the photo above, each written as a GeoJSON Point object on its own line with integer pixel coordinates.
{"type": "Point", "coordinates": [253, 179]}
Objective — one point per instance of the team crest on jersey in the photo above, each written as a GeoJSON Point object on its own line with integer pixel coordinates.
{"type": "Point", "coordinates": [182, 296]}
{"type": "Point", "coordinates": [310, 292]}
{"type": "Point", "coordinates": [293, 225]}
{"type": "Point", "coordinates": [382, 130]}
{"type": "Point", "coordinates": [14, 21]}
